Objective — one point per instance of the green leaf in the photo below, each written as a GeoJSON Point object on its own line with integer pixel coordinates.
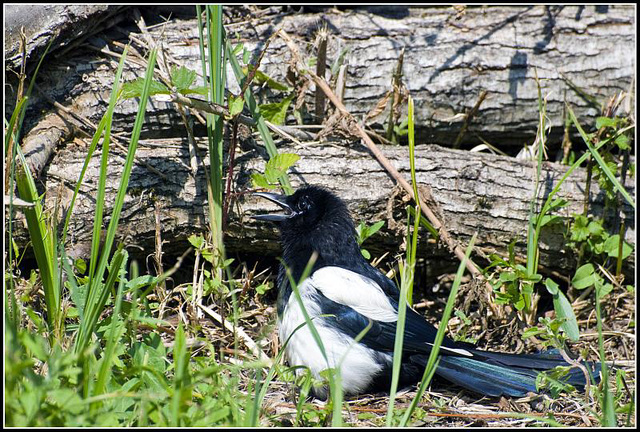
{"type": "Point", "coordinates": [553, 382]}
{"type": "Point", "coordinates": [547, 219]}
{"type": "Point", "coordinates": [236, 49]}
{"type": "Point", "coordinates": [66, 399]}
{"type": "Point", "coordinates": [262, 78]}
{"type": "Point", "coordinates": [207, 254]}
{"type": "Point", "coordinates": [235, 105]}
{"type": "Point", "coordinates": [375, 228]}
{"type": "Point", "coordinates": [595, 228]}
{"type": "Point", "coordinates": [276, 112]}
{"type": "Point", "coordinates": [363, 231]}
{"type": "Point", "coordinates": [512, 252]}
{"type": "Point", "coordinates": [558, 203]}
{"type": "Point", "coordinates": [622, 141]}
{"type": "Point", "coordinates": [601, 163]}
{"type": "Point", "coordinates": [134, 88]}
{"type": "Point", "coordinates": [36, 345]}
{"type": "Point", "coordinates": [182, 78]}
{"type": "Point", "coordinates": [196, 241]}
{"type": "Point", "coordinates": [605, 122]}
{"type": "Point", "coordinates": [612, 245]}
{"type": "Point", "coordinates": [508, 276]}
{"type": "Point", "coordinates": [531, 331]}
{"type": "Point", "coordinates": [139, 282]}
{"type": "Point", "coordinates": [260, 181]}
{"type": "Point", "coordinates": [579, 230]}
{"type": "Point", "coordinates": [585, 277]}
{"type": "Point", "coordinates": [201, 90]}
{"type": "Point", "coordinates": [603, 289]}
{"type": "Point", "coordinates": [552, 287]}
{"type": "Point", "coordinates": [278, 165]}
{"type": "Point", "coordinates": [80, 265]}
{"type": "Point", "coordinates": [263, 288]}
{"type": "Point", "coordinates": [365, 253]}
{"type": "Point", "coordinates": [518, 302]}
{"type": "Point", "coordinates": [564, 310]}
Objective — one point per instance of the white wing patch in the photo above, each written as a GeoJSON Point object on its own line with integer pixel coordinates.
{"type": "Point", "coordinates": [354, 290]}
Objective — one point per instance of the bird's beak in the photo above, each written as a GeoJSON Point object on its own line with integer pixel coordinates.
{"type": "Point", "coordinates": [281, 200]}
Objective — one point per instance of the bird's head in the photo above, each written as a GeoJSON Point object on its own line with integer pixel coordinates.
{"type": "Point", "coordinates": [310, 208]}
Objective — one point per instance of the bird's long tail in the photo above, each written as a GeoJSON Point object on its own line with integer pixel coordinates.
{"type": "Point", "coordinates": [497, 374]}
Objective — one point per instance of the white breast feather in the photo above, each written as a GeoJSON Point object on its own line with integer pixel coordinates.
{"type": "Point", "coordinates": [358, 364]}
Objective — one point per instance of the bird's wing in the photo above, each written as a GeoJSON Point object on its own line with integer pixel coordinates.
{"type": "Point", "coordinates": [356, 301]}
{"type": "Point", "coordinates": [356, 291]}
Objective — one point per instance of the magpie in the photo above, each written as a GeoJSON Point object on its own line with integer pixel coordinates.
{"type": "Point", "coordinates": [344, 295]}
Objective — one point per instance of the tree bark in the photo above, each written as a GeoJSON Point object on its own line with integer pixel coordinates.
{"type": "Point", "coordinates": [451, 57]}
{"type": "Point", "coordinates": [476, 193]}
{"type": "Point", "coordinates": [582, 54]}
{"type": "Point", "coordinates": [64, 26]}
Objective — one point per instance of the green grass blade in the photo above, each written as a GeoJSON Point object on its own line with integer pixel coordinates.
{"type": "Point", "coordinates": [12, 318]}
{"type": "Point", "coordinates": [408, 270]}
{"type": "Point", "coordinates": [305, 314]}
{"type": "Point", "coordinates": [606, 396]}
{"type": "Point", "coordinates": [93, 287]}
{"type": "Point", "coordinates": [40, 229]}
{"type": "Point", "coordinates": [432, 362]}
{"type": "Point", "coordinates": [93, 294]}
{"type": "Point", "coordinates": [333, 375]}
{"type": "Point", "coordinates": [262, 392]}
{"type": "Point", "coordinates": [98, 219]}
{"type": "Point", "coordinates": [215, 124]}
{"type": "Point", "coordinates": [181, 381]}
{"type": "Point", "coordinates": [9, 135]}
{"type": "Point", "coordinates": [30, 88]}
{"type": "Point", "coordinates": [41, 240]}
{"type": "Point", "coordinates": [601, 162]}
{"type": "Point", "coordinates": [576, 164]}
{"type": "Point", "coordinates": [407, 275]}
{"type": "Point", "coordinates": [532, 234]}
{"type": "Point", "coordinates": [92, 148]}
{"type": "Point", "coordinates": [114, 334]}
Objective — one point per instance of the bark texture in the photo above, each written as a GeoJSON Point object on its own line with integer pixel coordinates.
{"type": "Point", "coordinates": [476, 192]}
{"type": "Point", "coordinates": [582, 54]}
{"type": "Point", "coordinates": [62, 25]}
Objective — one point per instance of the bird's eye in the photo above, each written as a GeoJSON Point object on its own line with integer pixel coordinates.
{"type": "Point", "coordinates": [304, 204]}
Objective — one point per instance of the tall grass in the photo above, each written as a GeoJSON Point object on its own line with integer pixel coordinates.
{"type": "Point", "coordinates": [214, 75]}
{"type": "Point", "coordinates": [407, 271]}
{"type": "Point", "coordinates": [40, 232]}
{"type": "Point", "coordinates": [97, 292]}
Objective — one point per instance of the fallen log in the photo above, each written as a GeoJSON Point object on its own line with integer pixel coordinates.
{"type": "Point", "coordinates": [62, 26]}
{"type": "Point", "coordinates": [476, 193]}
{"type": "Point", "coordinates": [583, 54]}
{"type": "Point", "coordinates": [451, 57]}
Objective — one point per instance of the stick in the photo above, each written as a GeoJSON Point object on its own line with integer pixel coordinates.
{"type": "Point", "coordinates": [255, 349]}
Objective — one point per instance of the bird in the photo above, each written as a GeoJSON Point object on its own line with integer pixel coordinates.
{"type": "Point", "coordinates": [344, 295]}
